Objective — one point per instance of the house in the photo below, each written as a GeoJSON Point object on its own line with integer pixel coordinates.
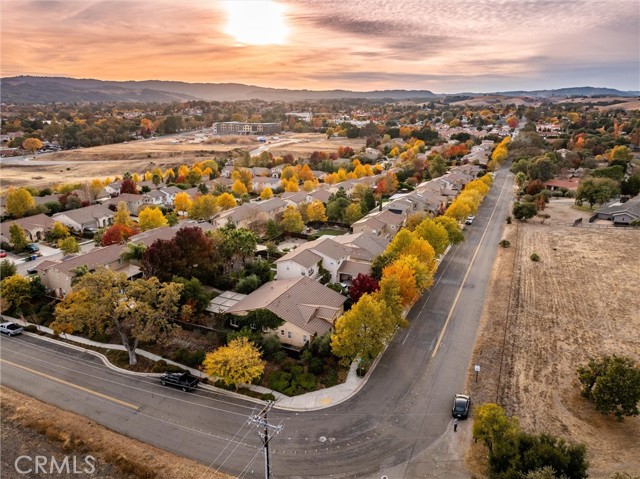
{"type": "Point", "coordinates": [133, 202]}
{"type": "Point", "coordinates": [148, 237]}
{"type": "Point", "coordinates": [271, 209]}
{"type": "Point", "coordinates": [308, 308]}
{"type": "Point", "coordinates": [295, 198]}
{"type": "Point", "coordinates": [35, 227]}
{"type": "Point", "coordinates": [260, 171]}
{"type": "Point", "coordinates": [113, 188]}
{"type": "Point", "coordinates": [227, 171]}
{"type": "Point", "coordinates": [243, 216]}
{"type": "Point", "coordinates": [362, 246]}
{"type": "Point", "coordinates": [303, 261]}
{"type": "Point", "coordinates": [621, 213]}
{"type": "Point", "coordinates": [169, 193]}
{"type": "Point", "coordinates": [321, 194]}
{"type": "Point", "coordinates": [261, 182]}
{"type": "Point", "coordinates": [381, 223]}
{"type": "Point", "coordinates": [570, 184]}
{"type": "Point", "coordinates": [90, 217]}
{"type": "Point", "coordinates": [57, 276]}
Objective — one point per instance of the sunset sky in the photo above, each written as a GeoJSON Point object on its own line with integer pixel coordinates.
{"type": "Point", "coordinates": [442, 45]}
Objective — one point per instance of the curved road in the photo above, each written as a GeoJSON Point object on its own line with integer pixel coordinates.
{"type": "Point", "coordinates": [384, 430]}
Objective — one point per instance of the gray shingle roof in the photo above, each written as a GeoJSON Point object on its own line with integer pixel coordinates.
{"type": "Point", "coordinates": [87, 214]}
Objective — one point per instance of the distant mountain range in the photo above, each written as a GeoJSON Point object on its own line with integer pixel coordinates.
{"type": "Point", "coordinates": [37, 90]}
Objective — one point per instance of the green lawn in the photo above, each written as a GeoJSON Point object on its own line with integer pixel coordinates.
{"type": "Point", "coordinates": [329, 231]}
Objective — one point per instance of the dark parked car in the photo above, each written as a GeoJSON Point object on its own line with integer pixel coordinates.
{"type": "Point", "coordinates": [12, 329]}
{"type": "Point", "coordinates": [32, 248]}
{"type": "Point", "coordinates": [185, 381]}
{"type": "Point", "coordinates": [461, 404]}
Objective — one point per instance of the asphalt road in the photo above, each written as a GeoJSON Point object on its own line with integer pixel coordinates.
{"type": "Point", "coordinates": [384, 430]}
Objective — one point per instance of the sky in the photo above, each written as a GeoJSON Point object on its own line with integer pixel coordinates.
{"type": "Point", "coordinates": [445, 46]}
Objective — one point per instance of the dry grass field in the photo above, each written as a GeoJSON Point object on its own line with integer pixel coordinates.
{"type": "Point", "coordinates": [31, 427]}
{"type": "Point", "coordinates": [139, 156]}
{"type": "Point", "coordinates": [542, 319]}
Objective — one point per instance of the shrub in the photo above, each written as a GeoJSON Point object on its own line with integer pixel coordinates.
{"type": "Point", "coordinates": [306, 380]}
{"type": "Point", "coordinates": [248, 285]}
{"type": "Point", "coordinates": [32, 328]}
{"type": "Point", "coordinates": [279, 381]}
{"type": "Point", "coordinates": [508, 220]}
{"type": "Point", "coordinates": [193, 359]}
{"type": "Point", "coordinates": [534, 257]}
{"type": "Point", "coordinates": [316, 366]}
{"type": "Point", "coordinates": [505, 243]}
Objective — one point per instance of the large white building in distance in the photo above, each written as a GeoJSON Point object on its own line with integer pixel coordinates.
{"type": "Point", "coordinates": [244, 128]}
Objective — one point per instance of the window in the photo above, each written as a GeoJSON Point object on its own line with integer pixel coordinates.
{"type": "Point", "coordinates": [302, 273]}
{"type": "Point", "coordinates": [289, 334]}
{"type": "Point", "coordinates": [304, 338]}
{"type": "Point", "coordinates": [253, 326]}
{"type": "Point", "coordinates": [282, 332]}
{"type": "Point", "coordinates": [265, 329]}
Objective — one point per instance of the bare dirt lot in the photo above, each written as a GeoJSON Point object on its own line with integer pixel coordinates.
{"type": "Point", "coordinates": [31, 427]}
{"type": "Point", "coordinates": [139, 156]}
{"type": "Point", "coordinates": [580, 301]}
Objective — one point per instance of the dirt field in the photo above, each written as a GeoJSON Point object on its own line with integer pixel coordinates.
{"type": "Point", "coordinates": [28, 429]}
{"type": "Point", "coordinates": [310, 142]}
{"type": "Point", "coordinates": [140, 156]}
{"type": "Point", "coordinates": [580, 301]}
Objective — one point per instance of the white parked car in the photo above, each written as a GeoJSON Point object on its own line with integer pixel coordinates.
{"type": "Point", "coordinates": [12, 329]}
{"type": "Point", "coordinates": [470, 220]}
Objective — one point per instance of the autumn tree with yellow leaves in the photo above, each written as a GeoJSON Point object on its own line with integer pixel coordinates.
{"type": "Point", "coordinates": [237, 363]}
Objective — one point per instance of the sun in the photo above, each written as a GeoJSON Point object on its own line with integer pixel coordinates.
{"type": "Point", "coordinates": [256, 22]}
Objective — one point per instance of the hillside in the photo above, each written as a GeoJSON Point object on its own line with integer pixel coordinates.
{"type": "Point", "coordinates": [29, 89]}
{"type": "Point", "coordinates": [35, 90]}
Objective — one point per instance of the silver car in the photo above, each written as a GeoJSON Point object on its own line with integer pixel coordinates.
{"type": "Point", "coordinates": [12, 329]}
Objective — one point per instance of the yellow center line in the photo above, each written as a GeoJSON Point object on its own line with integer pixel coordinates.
{"type": "Point", "coordinates": [66, 383]}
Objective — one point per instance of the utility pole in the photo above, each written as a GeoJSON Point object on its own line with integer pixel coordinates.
{"type": "Point", "coordinates": [260, 420]}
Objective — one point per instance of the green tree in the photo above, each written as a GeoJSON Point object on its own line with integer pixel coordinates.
{"type": "Point", "coordinates": [7, 268]}
{"type": "Point", "coordinates": [69, 245]}
{"type": "Point", "coordinates": [18, 202]}
{"type": "Point", "coordinates": [596, 190]}
{"type": "Point", "coordinates": [292, 220]}
{"type": "Point", "coordinates": [15, 291]}
{"type": "Point", "coordinates": [17, 237]}
{"type": "Point", "coordinates": [524, 211]}
{"type": "Point", "coordinates": [437, 166]}
{"type": "Point", "coordinates": [521, 179]}
{"type": "Point", "coordinates": [363, 331]}
{"type": "Point", "coordinates": [237, 363]}
{"type": "Point", "coordinates": [352, 213]}
{"type": "Point", "coordinates": [138, 311]}
{"type": "Point", "coordinates": [452, 227]}
{"type": "Point", "coordinates": [492, 426]}
{"type": "Point", "coordinates": [134, 252]}
{"type": "Point", "coordinates": [613, 384]}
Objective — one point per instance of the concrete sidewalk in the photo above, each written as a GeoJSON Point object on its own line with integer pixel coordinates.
{"type": "Point", "coordinates": [312, 401]}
